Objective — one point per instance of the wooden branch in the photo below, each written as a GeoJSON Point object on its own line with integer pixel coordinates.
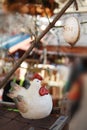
{"type": "Point", "coordinates": [76, 4]}
{"type": "Point", "coordinates": [2, 84]}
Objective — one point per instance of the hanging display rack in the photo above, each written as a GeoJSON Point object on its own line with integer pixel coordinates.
{"type": "Point", "coordinates": [35, 42]}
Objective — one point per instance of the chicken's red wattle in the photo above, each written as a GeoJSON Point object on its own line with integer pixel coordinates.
{"type": "Point", "coordinates": [43, 91]}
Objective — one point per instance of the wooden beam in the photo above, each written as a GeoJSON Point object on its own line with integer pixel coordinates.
{"type": "Point", "coordinates": [66, 49]}
{"type": "Point", "coordinates": [81, 51]}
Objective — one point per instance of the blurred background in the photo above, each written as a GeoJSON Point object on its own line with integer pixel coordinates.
{"type": "Point", "coordinates": [58, 61]}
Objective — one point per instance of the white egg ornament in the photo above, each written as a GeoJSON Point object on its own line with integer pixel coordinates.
{"type": "Point", "coordinates": [71, 30]}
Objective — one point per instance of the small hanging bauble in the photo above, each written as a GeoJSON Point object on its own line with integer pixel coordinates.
{"type": "Point", "coordinates": [71, 30]}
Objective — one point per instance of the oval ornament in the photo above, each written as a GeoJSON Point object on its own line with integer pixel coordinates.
{"type": "Point", "coordinates": [71, 30]}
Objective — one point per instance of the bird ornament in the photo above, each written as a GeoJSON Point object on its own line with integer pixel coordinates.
{"type": "Point", "coordinates": [34, 102]}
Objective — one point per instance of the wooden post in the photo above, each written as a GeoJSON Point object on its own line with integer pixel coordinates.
{"type": "Point", "coordinates": [2, 84]}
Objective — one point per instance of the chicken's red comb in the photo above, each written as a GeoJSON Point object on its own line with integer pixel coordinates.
{"type": "Point", "coordinates": [37, 76]}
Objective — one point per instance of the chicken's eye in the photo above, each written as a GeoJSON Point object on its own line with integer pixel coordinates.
{"type": "Point", "coordinates": [37, 80]}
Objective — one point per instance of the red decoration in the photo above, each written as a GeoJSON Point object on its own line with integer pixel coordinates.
{"type": "Point", "coordinates": [43, 91]}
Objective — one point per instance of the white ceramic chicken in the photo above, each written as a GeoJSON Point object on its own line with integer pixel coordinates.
{"type": "Point", "coordinates": [34, 102]}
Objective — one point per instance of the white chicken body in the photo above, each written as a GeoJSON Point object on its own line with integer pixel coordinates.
{"type": "Point", "coordinates": [33, 104]}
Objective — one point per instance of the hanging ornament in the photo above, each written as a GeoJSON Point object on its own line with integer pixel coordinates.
{"type": "Point", "coordinates": [71, 30]}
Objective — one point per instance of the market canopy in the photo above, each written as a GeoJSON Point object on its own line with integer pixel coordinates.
{"type": "Point", "coordinates": [13, 40]}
